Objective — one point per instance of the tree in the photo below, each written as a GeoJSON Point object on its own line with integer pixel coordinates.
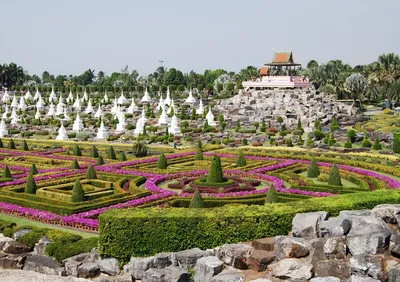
{"type": "Point", "coordinates": [78, 195]}
{"type": "Point", "coordinates": [162, 162]}
{"type": "Point", "coordinates": [366, 143]}
{"type": "Point", "coordinates": [111, 153]}
{"type": "Point", "coordinates": [352, 134]}
{"type": "Point", "coordinates": [30, 186]}
{"type": "Point", "coordinates": [77, 151]}
{"type": "Point", "coordinates": [91, 173]}
{"type": "Point", "coordinates": [7, 173]}
{"type": "Point", "coordinates": [334, 177]}
{"type": "Point", "coordinates": [25, 146]}
{"type": "Point", "coordinates": [199, 155]}
{"type": "Point", "coordinates": [94, 153]}
{"type": "Point", "coordinates": [100, 160]}
{"type": "Point", "coordinates": [75, 164]}
{"type": "Point", "coordinates": [313, 169]}
{"type": "Point", "coordinates": [334, 124]}
{"type": "Point", "coordinates": [396, 143]}
{"type": "Point", "coordinates": [33, 170]}
{"type": "Point", "coordinates": [272, 195]}
{"type": "Point", "coordinates": [11, 144]}
{"type": "Point", "coordinates": [263, 127]}
{"type": "Point", "coordinates": [122, 157]}
{"type": "Point", "coordinates": [1, 143]}
{"type": "Point", "coordinates": [215, 174]}
{"type": "Point", "coordinates": [240, 160]}
{"type": "Point", "coordinates": [197, 200]}
{"type": "Point", "coordinates": [348, 144]}
{"type": "Point", "coordinates": [377, 145]}
{"type": "Point", "coordinates": [357, 85]}
{"type": "Point", "coordinates": [139, 149]}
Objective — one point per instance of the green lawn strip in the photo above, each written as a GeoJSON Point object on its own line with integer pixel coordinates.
{"type": "Point", "coordinates": [346, 183]}
{"type": "Point", "coordinates": [22, 221]}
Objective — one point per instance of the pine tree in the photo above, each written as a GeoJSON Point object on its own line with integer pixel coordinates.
{"type": "Point", "coordinates": [30, 186]}
{"type": "Point", "coordinates": [77, 151]}
{"type": "Point", "coordinates": [25, 146]}
{"type": "Point", "coordinates": [215, 174]}
{"type": "Point", "coordinates": [7, 173]}
{"type": "Point", "coordinates": [240, 160]}
{"type": "Point", "coordinates": [11, 144]}
{"type": "Point", "coordinates": [263, 127]}
{"type": "Point", "coordinates": [75, 165]}
{"type": "Point", "coordinates": [334, 177]}
{"type": "Point", "coordinates": [396, 143]}
{"type": "Point", "coordinates": [1, 143]}
{"type": "Point", "coordinates": [299, 126]}
{"type": "Point", "coordinates": [366, 143]}
{"type": "Point", "coordinates": [313, 169]}
{"type": "Point", "coordinates": [197, 200]}
{"type": "Point", "coordinates": [272, 195]}
{"type": "Point", "coordinates": [334, 124]}
{"type": "Point", "coordinates": [33, 170]}
{"type": "Point", "coordinates": [100, 160]}
{"type": "Point", "coordinates": [122, 157]}
{"type": "Point", "coordinates": [377, 145]}
{"type": "Point", "coordinates": [348, 143]}
{"type": "Point", "coordinates": [162, 162]}
{"type": "Point", "coordinates": [111, 153]}
{"type": "Point", "coordinates": [78, 195]}
{"type": "Point", "coordinates": [194, 115]}
{"type": "Point", "coordinates": [300, 141]}
{"type": "Point", "coordinates": [199, 155]}
{"type": "Point", "coordinates": [94, 153]}
{"type": "Point", "coordinates": [91, 173]}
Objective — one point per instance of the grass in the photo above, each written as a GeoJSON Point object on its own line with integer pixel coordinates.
{"type": "Point", "coordinates": [346, 183]}
{"type": "Point", "coordinates": [22, 221]}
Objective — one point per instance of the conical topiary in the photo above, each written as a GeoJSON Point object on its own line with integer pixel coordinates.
{"type": "Point", "coordinates": [1, 143]}
{"type": "Point", "coordinates": [396, 143]}
{"type": "Point", "coordinates": [313, 169]}
{"type": "Point", "coordinates": [75, 165]}
{"type": "Point", "coordinates": [122, 157]}
{"type": "Point", "coordinates": [197, 200]}
{"type": "Point", "coordinates": [377, 145]}
{"type": "Point", "coordinates": [241, 160]}
{"type": "Point", "coordinates": [11, 144]}
{"type": "Point", "coordinates": [78, 195]}
{"type": "Point", "coordinates": [272, 195]}
{"type": "Point", "coordinates": [30, 186]}
{"type": "Point", "coordinates": [334, 177]}
{"type": "Point", "coordinates": [33, 170]}
{"type": "Point", "coordinates": [100, 160]}
{"type": "Point", "coordinates": [94, 153]}
{"type": "Point", "coordinates": [7, 172]}
{"type": "Point", "coordinates": [77, 151]}
{"type": "Point", "coordinates": [25, 146]}
{"type": "Point", "coordinates": [348, 143]}
{"type": "Point", "coordinates": [199, 155]}
{"type": "Point", "coordinates": [91, 173]}
{"type": "Point", "coordinates": [215, 174]}
{"type": "Point", "coordinates": [111, 153]}
{"type": "Point", "coordinates": [162, 162]}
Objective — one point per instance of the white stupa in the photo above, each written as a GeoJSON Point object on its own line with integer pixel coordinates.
{"type": "Point", "coordinates": [3, 129]}
{"type": "Point", "coordinates": [172, 108]}
{"type": "Point", "coordinates": [14, 103]}
{"type": "Point", "coordinates": [70, 97]}
{"type": "Point", "coordinates": [122, 99]}
{"type": "Point", "coordinates": [78, 125]}
{"type": "Point", "coordinates": [174, 128]}
{"type": "Point", "coordinates": [89, 108]}
{"type": "Point", "coordinates": [210, 118]}
{"type": "Point", "coordinates": [52, 110]}
{"type": "Point", "coordinates": [77, 104]}
{"type": "Point", "coordinates": [85, 96]}
{"type": "Point", "coordinates": [37, 114]}
{"type": "Point", "coordinates": [102, 133]}
{"type": "Point", "coordinates": [60, 107]}
{"type": "Point", "coordinates": [200, 109]}
{"type": "Point", "coordinates": [62, 133]}
{"type": "Point", "coordinates": [40, 103]}
{"type": "Point", "coordinates": [52, 97]}
{"type": "Point", "coordinates": [163, 120]}
{"type": "Point", "coordinates": [99, 113]}
{"type": "Point", "coordinates": [167, 100]}
{"type": "Point", "coordinates": [146, 97]}
{"type": "Point", "coordinates": [143, 117]}
{"type": "Point", "coordinates": [139, 127]}
{"type": "Point", "coordinates": [160, 103]}
{"type": "Point", "coordinates": [132, 107]}
{"type": "Point", "coordinates": [5, 97]}
{"type": "Point", "coordinates": [121, 122]}
{"type": "Point", "coordinates": [28, 95]}
{"type": "Point", "coordinates": [22, 104]}
{"type": "Point", "coordinates": [37, 95]}
{"type": "Point", "coordinates": [105, 98]}
{"type": "Point", "coordinates": [114, 107]}
{"type": "Point", "coordinates": [5, 112]}
{"type": "Point", "coordinates": [66, 116]}
{"type": "Point", "coordinates": [14, 113]}
{"type": "Point", "coordinates": [190, 99]}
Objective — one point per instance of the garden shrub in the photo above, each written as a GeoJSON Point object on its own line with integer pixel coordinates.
{"type": "Point", "coordinates": [122, 157]}
{"type": "Point", "coordinates": [396, 143]}
{"type": "Point", "coordinates": [348, 143]}
{"type": "Point", "coordinates": [91, 173]}
{"type": "Point", "coordinates": [1, 143]}
{"type": "Point", "coordinates": [7, 173]}
{"type": "Point", "coordinates": [78, 195]}
{"type": "Point", "coordinates": [77, 151]}
{"type": "Point", "coordinates": [215, 172]}
{"type": "Point", "coordinates": [366, 143]}
{"type": "Point", "coordinates": [65, 248]}
{"type": "Point", "coordinates": [100, 160]}
{"type": "Point", "coordinates": [33, 170]}
{"type": "Point", "coordinates": [313, 169]}
{"type": "Point", "coordinates": [240, 160]}
{"type": "Point", "coordinates": [111, 153]}
{"type": "Point", "coordinates": [162, 162]}
{"type": "Point", "coordinates": [25, 146]}
{"type": "Point", "coordinates": [75, 164]}
{"type": "Point", "coordinates": [272, 195]}
{"type": "Point", "coordinates": [11, 144]}
{"type": "Point", "coordinates": [30, 186]}
{"type": "Point", "coordinates": [94, 153]}
{"type": "Point", "coordinates": [377, 145]}
{"type": "Point", "coordinates": [199, 155]}
{"type": "Point", "coordinates": [197, 200]}
{"type": "Point", "coordinates": [334, 177]}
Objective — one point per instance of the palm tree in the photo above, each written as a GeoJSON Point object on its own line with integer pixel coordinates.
{"type": "Point", "coordinates": [200, 145]}
{"type": "Point", "coordinates": [140, 149]}
{"type": "Point", "coordinates": [393, 92]}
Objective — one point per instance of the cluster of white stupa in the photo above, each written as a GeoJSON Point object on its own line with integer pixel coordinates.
{"type": "Point", "coordinates": [56, 107]}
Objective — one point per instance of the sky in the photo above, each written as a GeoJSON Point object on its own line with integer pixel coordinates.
{"type": "Point", "coordinates": [71, 36]}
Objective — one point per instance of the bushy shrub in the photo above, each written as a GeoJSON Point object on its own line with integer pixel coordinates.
{"type": "Point", "coordinates": [77, 151]}
{"type": "Point", "coordinates": [377, 145]}
{"type": "Point", "coordinates": [313, 169]}
{"type": "Point", "coordinates": [122, 157]}
{"type": "Point", "coordinates": [91, 173]}
{"type": "Point", "coordinates": [334, 177]}
{"type": "Point", "coordinates": [100, 160]}
{"type": "Point", "coordinates": [289, 142]}
{"type": "Point", "coordinates": [78, 195]}
{"type": "Point", "coordinates": [11, 144]}
{"type": "Point", "coordinates": [240, 160]}
{"type": "Point", "coordinates": [162, 162]}
{"type": "Point", "coordinates": [215, 174]}
{"type": "Point", "coordinates": [199, 155]}
{"type": "Point", "coordinates": [111, 153]}
{"type": "Point", "coordinates": [348, 143]}
{"type": "Point", "coordinates": [197, 200]}
{"type": "Point", "coordinates": [75, 164]}
{"type": "Point", "coordinates": [33, 170]}
{"type": "Point", "coordinates": [366, 143]}
{"type": "Point", "coordinates": [245, 142]}
{"type": "Point", "coordinates": [272, 195]}
{"type": "Point", "coordinates": [65, 248]}
{"type": "Point", "coordinates": [396, 143]}
{"type": "Point", "coordinates": [25, 146]}
{"type": "Point", "coordinates": [30, 186]}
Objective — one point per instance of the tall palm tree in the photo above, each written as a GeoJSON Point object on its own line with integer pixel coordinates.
{"type": "Point", "coordinates": [393, 92]}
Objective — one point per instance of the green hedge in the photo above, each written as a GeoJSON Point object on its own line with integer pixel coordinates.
{"type": "Point", "coordinates": [144, 232]}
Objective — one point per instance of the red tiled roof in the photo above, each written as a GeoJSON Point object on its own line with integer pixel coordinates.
{"type": "Point", "coordinates": [264, 71]}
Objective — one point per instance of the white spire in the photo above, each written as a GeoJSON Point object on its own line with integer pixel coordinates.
{"type": "Point", "coordinates": [99, 112]}
{"type": "Point", "coordinates": [62, 133]}
{"type": "Point", "coordinates": [3, 129]}
{"type": "Point", "coordinates": [163, 120]}
{"type": "Point", "coordinates": [102, 133]}
{"type": "Point", "coordinates": [210, 118]}
{"type": "Point", "coordinates": [167, 100]}
{"type": "Point", "coordinates": [78, 125]}
{"type": "Point", "coordinates": [190, 99]}
{"type": "Point", "coordinates": [174, 128]}
{"type": "Point", "coordinates": [89, 108]}
{"type": "Point", "coordinates": [146, 98]}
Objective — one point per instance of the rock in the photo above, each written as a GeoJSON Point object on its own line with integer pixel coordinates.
{"type": "Point", "coordinates": [14, 247]}
{"type": "Point", "coordinates": [337, 268]}
{"type": "Point", "coordinates": [394, 274]}
{"type": "Point", "coordinates": [109, 266]}
{"type": "Point", "coordinates": [43, 264]}
{"type": "Point", "coordinates": [80, 257]}
{"type": "Point", "coordinates": [21, 233]}
{"type": "Point", "coordinates": [306, 225]}
{"type": "Point", "coordinates": [88, 270]}
{"type": "Point", "coordinates": [291, 247]}
{"type": "Point", "coordinates": [188, 258]}
{"type": "Point", "coordinates": [372, 266]}
{"type": "Point", "coordinates": [355, 213]}
{"type": "Point", "coordinates": [325, 279]}
{"type": "Point", "coordinates": [106, 278]}
{"type": "Point", "coordinates": [228, 277]}
{"type": "Point", "coordinates": [259, 260]}
{"type": "Point", "coordinates": [265, 244]}
{"type": "Point", "coordinates": [335, 227]}
{"type": "Point", "coordinates": [361, 225]}
{"type": "Point", "coordinates": [291, 269]}
{"type": "Point", "coordinates": [375, 243]}
{"type": "Point", "coordinates": [387, 212]}
{"type": "Point", "coordinates": [357, 278]}
{"type": "Point", "coordinates": [163, 260]}
{"type": "Point", "coordinates": [40, 247]}
{"type": "Point", "coordinates": [317, 249]}
{"type": "Point", "coordinates": [31, 276]}
{"type": "Point", "coordinates": [138, 266]}
{"type": "Point", "coordinates": [12, 261]}
{"type": "Point", "coordinates": [93, 256]}
{"type": "Point", "coordinates": [3, 241]}
{"type": "Point", "coordinates": [236, 255]}
{"type": "Point", "coordinates": [71, 267]}
{"type": "Point", "coordinates": [206, 268]}
{"type": "Point", "coordinates": [168, 274]}
{"type": "Point", "coordinates": [335, 248]}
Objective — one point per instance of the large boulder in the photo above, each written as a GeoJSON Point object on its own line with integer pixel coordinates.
{"type": "Point", "coordinates": [338, 268]}
{"type": "Point", "coordinates": [18, 234]}
{"type": "Point", "coordinates": [107, 278]}
{"type": "Point", "coordinates": [325, 279]}
{"type": "Point", "coordinates": [228, 276]}
{"type": "Point", "coordinates": [138, 266]}
{"type": "Point", "coordinates": [12, 261]}
{"type": "Point", "coordinates": [4, 240]}
{"type": "Point", "coordinates": [350, 213]}
{"type": "Point", "coordinates": [387, 212]}
{"type": "Point", "coordinates": [163, 260]}
{"type": "Point", "coordinates": [335, 226]}
{"type": "Point", "coordinates": [259, 260]}
{"type": "Point", "coordinates": [265, 244]}
{"type": "Point", "coordinates": [188, 258]}
{"type": "Point", "coordinates": [40, 247]}
{"type": "Point", "coordinates": [306, 225]}
{"type": "Point", "coordinates": [394, 274]}
{"type": "Point", "coordinates": [291, 247]}
{"type": "Point", "coordinates": [375, 243]}
{"type": "Point", "coordinates": [362, 225]}
{"type": "Point", "coordinates": [88, 270]}
{"type": "Point", "coordinates": [109, 266]}
{"type": "Point", "coordinates": [335, 248]}
{"type": "Point", "coordinates": [71, 267]}
{"type": "Point", "coordinates": [358, 278]}
{"type": "Point", "coordinates": [236, 255]}
{"type": "Point", "coordinates": [43, 264]}
{"type": "Point", "coordinates": [291, 269]}
{"type": "Point", "coordinates": [168, 274]}
{"type": "Point", "coordinates": [14, 247]}
{"type": "Point", "coordinates": [370, 266]}
{"type": "Point", "coordinates": [206, 268]}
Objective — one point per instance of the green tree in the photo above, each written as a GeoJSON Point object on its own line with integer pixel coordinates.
{"type": "Point", "coordinates": [240, 160]}
{"type": "Point", "coordinates": [215, 174]}
{"type": "Point", "coordinates": [334, 177]}
{"type": "Point", "coordinates": [30, 186]}
{"type": "Point", "coordinates": [33, 170]}
{"type": "Point", "coordinates": [377, 145]}
{"type": "Point", "coordinates": [396, 143]}
{"type": "Point", "coordinates": [78, 195]}
{"type": "Point", "coordinates": [1, 143]}
{"type": "Point", "coordinates": [162, 162]}
{"type": "Point", "coordinates": [348, 143]}
{"type": "Point", "coordinates": [11, 144]}
{"type": "Point", "coordinates": [263, 127]}
{"type": "Point", "coordinates": [272, 195]}
{"type": "Point", "coordinates": [91, 173]}
{"type": "Point", "coordinates": [366, 143]}
{"type": "Point", "coordinates": [25, 146]}
{"type": "Point", "coordinates": [122, 157]}
{"type": "Point", "coordinates": [100, 160]}
{"type": "Point", "coordinates": [139, 149]}
{"type": "Point", "coordinates": [334, 124]}
{"type": "Point", "coordinates": [7, 173]}
{"type": "Point", "coordinates": [77, 151]}
{"type": "Point", "coordinates": [111, 153]}
{"type": "Point", "coordinates": [75, 165]}
{"type": "Point", "coordinates": [199, 155]}
{"type": "Point", "coordinates": [313, 169]}
{"type": "Point", "coordinates": [94, 153]}
{"type": "Point", "coordinates": [352, 134]}
{"type": "Point", "coordinates": [197, 200]}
